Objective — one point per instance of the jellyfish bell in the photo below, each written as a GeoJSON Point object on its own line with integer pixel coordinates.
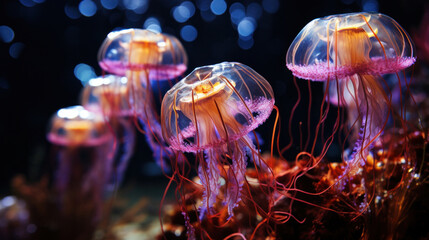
{"type": "Point", "coordinates": [342, 45]}
{"type": "Point", "coordinates": [76, 126]}
{"type": "Point", "coordinates": [224, 102]}
{"type": "Point", "coordinates": [108, 95]}
{"type": "Point", "coordinates": [212, 111]}
{"type": "Point", "coordinates": [162, 55]}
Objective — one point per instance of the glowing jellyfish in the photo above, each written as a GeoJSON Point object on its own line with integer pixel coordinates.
{"type": "Point", "coordinates": [350, 52]}
{"type": "Point", "coordinates": [82, 150]}
{"type": "Point", "coordinates": [144, 57]}
{"type": "Point", "coordinates": [15, 219]}
{"type": "Point", "coordinates": [210, 113]}
{"type": "Point", "coordinates": [109, 96]}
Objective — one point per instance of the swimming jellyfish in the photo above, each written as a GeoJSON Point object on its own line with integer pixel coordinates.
{"type": "Point", "coordinates": [210, 113]}
{"type": "Point", "coordinates": [144, 57]}
{"type": "Point", "coordinates": [82, 152]}
{"type": "Point", "coordinates": [109, 96]}
{"type": "Point", "coordinates": [350, 52]}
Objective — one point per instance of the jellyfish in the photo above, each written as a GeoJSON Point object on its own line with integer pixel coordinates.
{"type": "Point", "coordinates": [82, 153]}
{"type": "Point", "coordinates": [350, 53]}
{"type": "Point", "coordinates": [15, 219]}
{"type": "Point", "coordinates": [109, 96]}
{"type": "Point", "coordinates": [144, 57]}
{"type": "Point", "coordinates": [211, 113]}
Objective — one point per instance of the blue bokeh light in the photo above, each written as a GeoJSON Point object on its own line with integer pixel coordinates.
{"type": "Point", "coordinates": [138, 6]}
{"type": "Point", "coordinates": [16, 49]}
{"type": "Point", "coordinates": [218, 7]}
{"type": "Point", "coordinates": [254, 10]}
{"type": "Point", "coordinates": [39, 1]}
{"type": "Point", "coordinates": [87, 8]}
{"type": "Point", "coordinates": [203, 5]}
{"type": "Point", "coordinates": [237, 12]}
{"type": "Point", "coordinates": [189, 33]}
{"type": "Point", "coordinates": [6, 34]}
{"type": "Point", "coordinates": [370, 5]}
{"type": "Point", "coordinates": [84, 73]}
{"type": "Point", "coordinates": [271, 6]}
{"type": "Point", "coordinates": [152, 24]}
{"type": "Point", "coordinates": [245, 43]}
{"type": "Point", "coordinates": [8, 201]}
{"type": "Point", "coordinates": [27, 3]}
{"type": "Point", "coordinates": [181, 14]}
{"type": "Point", "coordinates": [246, 27]}
{"type": "Point", "coordinates": [71, 12]}
{"type": "Point", "coordinates": [190, 6]}
{"type": "Point", "coordinates": [109, 4]}
{"type": "Point", "coordinates": [142, 9]}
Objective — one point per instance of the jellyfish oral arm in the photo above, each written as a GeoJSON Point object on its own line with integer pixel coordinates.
{"type": "Point", "coordinates": [371, 106]}
{"type": "Point", "coordinates": [236, 173]}
{"type": "Point", "coordinates": [209, 175]}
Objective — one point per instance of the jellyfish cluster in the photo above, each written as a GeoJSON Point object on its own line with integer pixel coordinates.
{"type": "Point", "coordinates": [202, 132]}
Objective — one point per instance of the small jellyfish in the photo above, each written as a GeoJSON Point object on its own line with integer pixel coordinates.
{"type": "Point", "coordinates": [109, 96]}
{"type": "Point", "coordinates": [210, 113]}
{"type": "Point", "coordinates": [15, 219]}
{"type": "Point", "coordinates": [350, 52]}
{"type": "Point", "coordinates": [144, 57]}
{"type": "Point", "coordinates": [82, 146]}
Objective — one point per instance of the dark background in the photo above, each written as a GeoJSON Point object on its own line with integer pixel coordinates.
{"type": "Point", "coordinates": [37, 66]}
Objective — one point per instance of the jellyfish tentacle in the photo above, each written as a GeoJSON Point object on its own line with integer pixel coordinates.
{"type": "Point", "coordinates": [209, 175]}
{"type": "Point", "coordinates": [152, 127]}
{"type": "Point", "coordinates": [126, 138]}
{"type": "Point", "coordinates": [161, 153]}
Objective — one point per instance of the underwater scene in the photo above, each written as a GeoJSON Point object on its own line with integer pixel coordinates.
{"type": "Point", "coordinates": [214, 119]}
